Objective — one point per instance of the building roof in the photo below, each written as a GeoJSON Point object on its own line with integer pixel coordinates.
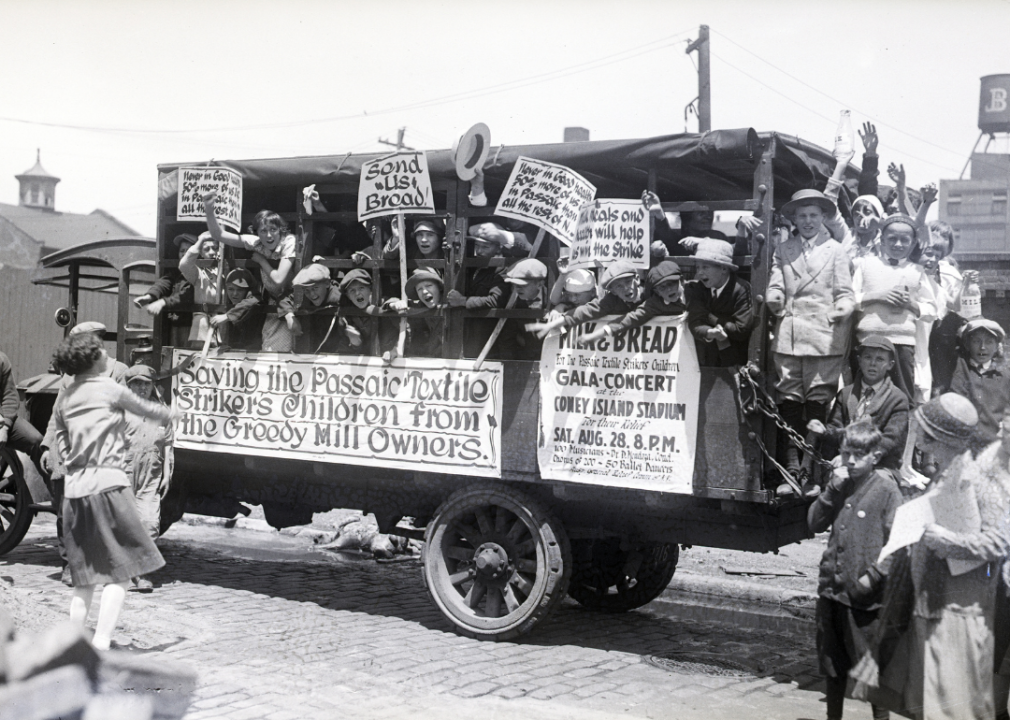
{"type": "Point", "coordinates": [56, 230]}
{"type": "Point", "coordinates": [37, 170]}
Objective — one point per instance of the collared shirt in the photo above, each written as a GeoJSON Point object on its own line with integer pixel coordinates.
{"type": "Point", "coordinates": [985, 368]}
{"type": "Point", "coordinates": [868, 393]}
{"type": "Point", "coordinates": [716, 292]}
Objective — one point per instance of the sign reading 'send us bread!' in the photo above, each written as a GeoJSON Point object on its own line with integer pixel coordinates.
{"type": "Point", "coordinates": [436, 415]}
{"type": "Point", "coordinates": [623, 412]}
{"type": "Point", "coordinates": [546, 195]}
{"type": "Point", "coordinates": [397, 183]}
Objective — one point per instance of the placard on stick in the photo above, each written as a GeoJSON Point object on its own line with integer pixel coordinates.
{"type": "Point", "coordinates": [547, 195]}
{"type": "Point", "coordinates": [196, 182]}
{"type": "Point", "coordinates": [610, 230]}
{"type": "Point", "coordinates": [397, 183]}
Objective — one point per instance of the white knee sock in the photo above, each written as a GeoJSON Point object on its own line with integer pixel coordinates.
{"type": "Point", "coordinates": [108, 614]}
{"type": "Point", "coordinates": [80, 604]}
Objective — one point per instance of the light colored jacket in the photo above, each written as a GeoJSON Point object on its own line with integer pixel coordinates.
{"type": "Point", "coordinates": [803, 290]}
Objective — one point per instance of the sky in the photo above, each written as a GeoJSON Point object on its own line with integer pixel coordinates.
{"type": "Point", "coordinates": [108, 89]}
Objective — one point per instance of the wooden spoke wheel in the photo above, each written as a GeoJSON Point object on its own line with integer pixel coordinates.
{"type": "Point", "coordinates": [613, 580]}
{"type": "Point", "coordinates": [15, 502]}
{"type": "Point", "coordinates": [496, 562]}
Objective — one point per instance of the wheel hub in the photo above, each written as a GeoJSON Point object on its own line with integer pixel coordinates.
{"type": "Point", "coordinates": [491, 561]}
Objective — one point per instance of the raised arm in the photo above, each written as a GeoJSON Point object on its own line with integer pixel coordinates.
{"type": "Point", "coordinates": [897, 174]}
{"type": "Point", "coordinates": [868, 174]}
{"type": "Point", "coordinates": [127, 400]}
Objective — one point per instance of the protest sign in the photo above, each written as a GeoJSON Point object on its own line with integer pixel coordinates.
{"type": "Point", "coordinates": [194, 183]}
{"type": "Point", "coordinates": [397, 183]}
{"type": "Point", "coordinates": [610, 230]}
{"type": "Point", "coordinates": [623, 413]}
{"type": "Point", "coordinates": [441, 415]}
{"type": "Point", "coordinates": [547, 195]}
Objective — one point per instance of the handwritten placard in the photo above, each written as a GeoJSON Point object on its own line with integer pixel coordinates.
{"type": "Point", "coordinates": [624, 412]}
{"type": "Point", "coordinates": [397, 183]}
{"type": "Point", "coordinates": [194, 183]}
{"type": "Point", "coordinates": [439, 415]}
{"type": "Point", "coordinates": [611, 230]}
{"type": "Point", "coordinates": [547, 195]}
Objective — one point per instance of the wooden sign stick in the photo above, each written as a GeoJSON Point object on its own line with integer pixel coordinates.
{"type": "Point", "coordinates": [508, 306]}
{"type": "Point", "coordinates": [401, 232]}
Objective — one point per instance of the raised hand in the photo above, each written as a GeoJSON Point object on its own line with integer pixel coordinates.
{"type": "Point", "coordinates": [896, 173]}
{"type": "Point", "coordinates": [869, 137]}
{"type": "Point", "coordinates": [929, 193]}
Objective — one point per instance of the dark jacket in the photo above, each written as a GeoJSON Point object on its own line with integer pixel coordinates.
{"type": "Point", "coordinates": [610, 304]}
{"type": "Point", "coordinates": [988, 391]}
{"type": "Point", "coordinates": [732, 309]}
{"type": "Point", "coordinates": [860, 519]}
{"type": "Point", "coordinates": [486, 289]}
{"type": "Point", "coordinates": [888, 409]}
{"type": "Point", "coordinates": [173, 288]}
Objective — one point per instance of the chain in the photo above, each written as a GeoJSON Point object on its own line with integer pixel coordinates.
{"type": "Point", "coordinates": [761, 402]}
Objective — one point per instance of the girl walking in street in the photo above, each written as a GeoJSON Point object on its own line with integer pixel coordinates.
{"type": "Point", "coordinates": [106, 541]}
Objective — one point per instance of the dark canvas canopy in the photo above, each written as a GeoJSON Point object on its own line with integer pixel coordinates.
{"type": "Point", "coordinates": [715, 165]}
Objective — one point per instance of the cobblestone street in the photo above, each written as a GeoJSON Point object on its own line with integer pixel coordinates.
{"type": "Point", "coordinates": [324, 639]}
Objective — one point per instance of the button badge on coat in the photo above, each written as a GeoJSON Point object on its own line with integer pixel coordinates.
{"type": "Point", "coordinates": [861, 514]}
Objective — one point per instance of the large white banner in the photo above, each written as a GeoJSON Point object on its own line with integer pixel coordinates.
{"type": "Point", "coordinates": [417, 414]}
{"type": "Point", "coordinates": [623, 413]}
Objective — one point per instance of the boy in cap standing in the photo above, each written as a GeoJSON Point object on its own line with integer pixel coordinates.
{"type": "Point", "coordinates": [982, 376]}
{"type": "Point", "coordinates": [237, 326]}
{"type": "Point", "coordinates": [872, 395]}
{"type": "Point", "coordinates": [572, 289]}
{"type": "Point", "coordinates": [719, 310]}
{"type": "Point", "coordinates": [666, 299]}
{"type": "Point", "coordinates": [810, 290]}
{"type": "Point", "coordinates": [529, 281]}
{"type": "Point", "coordinates": [311, 290]}
{"type": "Point", "coordinates": [150, 455]}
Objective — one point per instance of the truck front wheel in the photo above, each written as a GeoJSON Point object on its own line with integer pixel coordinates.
{"type": "Point", "coordinates": [16, 513]}
{"type": "Point", "coordinates": [496, 562]}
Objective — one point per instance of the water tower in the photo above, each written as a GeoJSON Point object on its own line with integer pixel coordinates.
{"type": "Point", "coordinates": [977, 207]}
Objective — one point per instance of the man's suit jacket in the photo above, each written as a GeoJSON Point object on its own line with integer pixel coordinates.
{"type": "Point", "coordinates": [732, 309]}
{"type": "Point", "coordinates": [803, 290]}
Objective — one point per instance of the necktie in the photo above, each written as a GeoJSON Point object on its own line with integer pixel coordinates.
{"type": "Point", "coordinates": [864, 401]}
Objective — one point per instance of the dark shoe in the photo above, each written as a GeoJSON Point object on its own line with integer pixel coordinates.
{"type": "Point", "coordinates": [142, 584]}
{"type": "Point", "coordinates": [66, 578]}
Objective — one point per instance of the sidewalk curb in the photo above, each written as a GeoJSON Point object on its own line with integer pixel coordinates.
{"type": "Point", "coordinates": [749, 592]}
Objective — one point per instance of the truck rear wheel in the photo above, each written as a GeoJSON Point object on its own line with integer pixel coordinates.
{"type": "Point", "coordinates": [16, 514]}
{"type": "Point", "coordinates": [496, 562]}
{"type": "Point", "coordinates": [613, 580]}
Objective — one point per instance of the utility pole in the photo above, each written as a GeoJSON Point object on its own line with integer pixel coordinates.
{"type": "Point", "coordinates": [399, 141]}
{"type": "Point", "coordinates": [704, 79]}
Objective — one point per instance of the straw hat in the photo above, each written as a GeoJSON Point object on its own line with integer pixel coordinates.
{"type": "Point", "coordinates": [809, 197]}
{"type": "Point", "coordinates": [716, 252]}
{"type": "Point", "coordinates": [471, 150]}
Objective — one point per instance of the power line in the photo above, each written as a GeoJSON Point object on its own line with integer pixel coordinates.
{"type": "Point", "coordinates": [811, 110]}
{"type": "Point", "coordinates": [558, 74]}
{"type": "Point", "coordinates": [840, 102]}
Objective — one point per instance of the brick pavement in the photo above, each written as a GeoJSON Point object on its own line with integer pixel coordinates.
{"type": "Point", "coordinates": [306, 640]}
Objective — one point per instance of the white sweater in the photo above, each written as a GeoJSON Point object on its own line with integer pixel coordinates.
{"type": "Point", "coordinates": [874, 274]}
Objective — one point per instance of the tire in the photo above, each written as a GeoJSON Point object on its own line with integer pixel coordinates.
{"type": "Point", "coordinates": [495, 561]}
{"type": "Point", "coordinates": [16, 514]}
{"type": "Point", "coordinates": [600, 582]}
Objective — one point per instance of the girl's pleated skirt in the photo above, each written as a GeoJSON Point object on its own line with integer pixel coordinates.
{"type": "Point", "coordinates": [105, 540]}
